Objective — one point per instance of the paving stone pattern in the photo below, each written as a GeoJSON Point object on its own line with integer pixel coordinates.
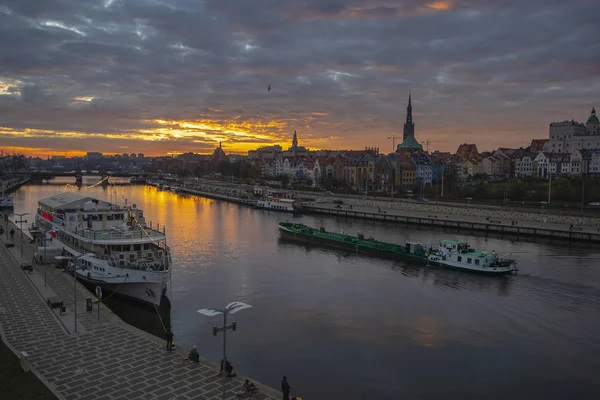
{"type": "Point", "coordinates": [111, 360]}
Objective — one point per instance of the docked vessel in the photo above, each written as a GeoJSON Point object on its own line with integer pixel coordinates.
{"type": "Point", "coordinates": [278, 204]}
{"type": "Point", "coordinates": [410, 251]}
{"type": "Point", "coordinates": [459, 255]}
{"type": "Point", "coordinates": [119, 251]}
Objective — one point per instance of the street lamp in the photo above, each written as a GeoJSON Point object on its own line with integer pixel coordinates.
{"type": "Point", "coordinates": [231, 308]}
{"type": "Point", "coordinates": [45, 232]}
{"type": "Point", "coordinates": [20, 222]}
{"type": "Point", "coordinates": [75, 261]}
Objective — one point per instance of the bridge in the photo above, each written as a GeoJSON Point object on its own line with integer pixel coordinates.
{"type": "Point", "coordinates": [41, 175]}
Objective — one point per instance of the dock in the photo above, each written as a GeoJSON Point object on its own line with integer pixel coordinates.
{"type": "Point", "coordinates": [217, 196]}
{"type": "Point", "coordinates": [460, 222]}
{"type": "Point", "coordinates": [106, 359]}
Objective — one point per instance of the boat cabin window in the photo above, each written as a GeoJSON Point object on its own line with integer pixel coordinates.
{"type": "Point", "coordinates": [137, 247]}
{"type": "Point", "coordinates": [146, 246]}
{"type": "Point", "coordinates": [476, 262]}
{"type": "Point", "coordinates": [459, 259]}
{"type": "Point", "coordinates": [469, 261]}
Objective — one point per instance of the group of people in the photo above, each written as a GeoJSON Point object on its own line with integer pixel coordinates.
{"type": "Point", "coordinates": [248, 387]}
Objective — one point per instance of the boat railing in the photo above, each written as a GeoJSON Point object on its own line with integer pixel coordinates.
{"type": "Point", "coordinates": [130, 234]}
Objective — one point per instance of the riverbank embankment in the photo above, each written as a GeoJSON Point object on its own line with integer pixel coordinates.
{"type": "Point", "coordinates": [542, 223]}
{"type": "Point", "coordinates": [99, 356]}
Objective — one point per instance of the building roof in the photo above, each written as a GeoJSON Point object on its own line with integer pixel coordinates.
{"type": "Point", "coordinates": [65, 201]}
{"type": "Point", "coordinates": [404, 161]}
{"type": "Point", "coordinates": [537, 145]}
{"type": "Point", "coordinates": [593, 119]}
{"type": "Point", "coordinates": [467, 150]}
{"type": "Point", "coordinates": [410, 143]}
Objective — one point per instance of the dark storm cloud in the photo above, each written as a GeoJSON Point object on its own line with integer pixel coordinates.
{"type": "Point", "coordinates": [338, 68]}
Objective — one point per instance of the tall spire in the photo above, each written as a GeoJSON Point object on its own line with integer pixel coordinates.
{"type": "Point", "coordinates": [409, 126]}
{"type": "Point", "coordinates": [593, 110]}
{"type": "Point", "coordinates": [409, 110]}
{"type": "Point", "coordinates": [295, 140]}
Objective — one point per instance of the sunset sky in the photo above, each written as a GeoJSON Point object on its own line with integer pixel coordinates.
{"type": "Point", "coordinates": [160, 76]}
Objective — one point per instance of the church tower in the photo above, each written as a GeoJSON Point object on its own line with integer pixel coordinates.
{"type": "Point", "coordinates": [295, 140]}
{"type": "Point", "coordinates": [409, 125]}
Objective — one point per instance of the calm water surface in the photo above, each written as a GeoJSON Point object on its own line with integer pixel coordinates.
{"type": "Point", "coordinates": [342, 326]}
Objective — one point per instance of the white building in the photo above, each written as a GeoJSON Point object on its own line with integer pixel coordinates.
{"type": "Point", "coordinates": [566, 136]}
{"type": "Point", "coordinates": [524, 165]}
{"type": "Point", "coordinates": [541, 164]}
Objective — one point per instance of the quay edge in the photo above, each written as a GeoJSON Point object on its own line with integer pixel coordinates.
{"type": "Point", "coordinates": [456, 223]}
{"type": "Point", "coordinates": [54, 352]}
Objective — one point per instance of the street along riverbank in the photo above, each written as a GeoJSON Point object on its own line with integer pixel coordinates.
{"type": "Point", "coordinates": [95, 354]}
{"type": "Point", "coordinates": [517, 224]}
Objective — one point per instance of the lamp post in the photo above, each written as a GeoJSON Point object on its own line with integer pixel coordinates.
{"type": "Point", "coordinates": [231, 308]}
{"type": "Point", "coordinates": [45, 232]}
{"type": "Point", "coordinates": [75, 261]}
{"type": "Point", "coordinates": [20, 222]}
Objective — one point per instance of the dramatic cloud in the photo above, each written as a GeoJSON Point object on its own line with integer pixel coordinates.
{"type": "Point", "coordinates": [161, 76]}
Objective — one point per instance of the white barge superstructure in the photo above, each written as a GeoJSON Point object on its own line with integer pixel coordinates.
{"type": "Point", "coordinates": [122, 253]}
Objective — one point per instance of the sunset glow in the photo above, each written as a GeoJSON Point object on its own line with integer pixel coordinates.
{"type": "Point", "coordinates": [440, 5]}
{"type": "Point", "coordinates": [183, 77]}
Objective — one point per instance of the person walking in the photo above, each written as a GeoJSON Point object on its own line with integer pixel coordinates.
{"type": "Point", "coordinates": [12, 234]}
{"type": "Point", "coordinates": [169, 340]}
{"type": "Point", "coordinates": [285, 388]}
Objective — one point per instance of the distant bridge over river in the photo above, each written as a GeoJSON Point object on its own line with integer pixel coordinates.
{"type": "Point", "coordinates": [47, 175]}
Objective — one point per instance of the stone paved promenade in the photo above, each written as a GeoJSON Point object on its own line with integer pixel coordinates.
{"type": "Point", "coordinates": [106, 359]}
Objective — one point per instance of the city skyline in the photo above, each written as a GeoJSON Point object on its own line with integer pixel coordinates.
{"type": "Point", "coordinates": [182, 75]}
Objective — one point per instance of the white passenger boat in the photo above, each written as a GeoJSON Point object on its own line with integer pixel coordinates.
{"type": "Point", "coordinates": [458, 255]}
{"type": "Point", "coordinates": [278, 204]}
{"type": "Point", "coordinates": [121, 252]}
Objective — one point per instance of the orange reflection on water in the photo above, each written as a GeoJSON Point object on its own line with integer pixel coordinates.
{"type": "Point", "coordinates": [427, 331]}
{"type": "Point", "coordinates": [206, 229]}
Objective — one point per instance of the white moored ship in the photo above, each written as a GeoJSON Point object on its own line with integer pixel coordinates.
{"type": "Point", "coordinates": [124, 254]}
{"type": "Point", "coordinates": [459, 255]}
{"type": "Point", "coordinates": [278, 204]}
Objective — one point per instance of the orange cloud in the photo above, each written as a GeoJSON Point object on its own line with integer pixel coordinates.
{"type": "Point", "coordinates": [440, 5]}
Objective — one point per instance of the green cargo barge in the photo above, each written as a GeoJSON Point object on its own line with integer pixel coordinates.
{"type": "Point", "coordinates": [409, 251]}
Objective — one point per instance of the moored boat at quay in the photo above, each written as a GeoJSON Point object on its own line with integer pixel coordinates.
{"type": "Point", "coordinates": [279, 204]}
{"type": "Point", "coordinates": [410, 251]}
{"type": "Point", "coordinates": [119, 251]}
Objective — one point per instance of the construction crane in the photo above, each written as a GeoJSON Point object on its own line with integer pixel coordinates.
{"type": "Point", "coordinates": [394, 140]}
{"type": "Point", "coordinates": [427, 142]}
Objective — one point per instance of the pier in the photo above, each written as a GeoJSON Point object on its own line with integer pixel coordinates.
{"type": "Point", "coordinates": [12, 184]}
{"type": "Point", "coordinates": [106, 358]}
{"type": "Point", "coordinates": [461, 222]}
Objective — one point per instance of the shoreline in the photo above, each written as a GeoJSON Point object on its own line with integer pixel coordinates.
{"type": "Point", "coordinates": [104, 348]}
{"type": "Point", "coordinates": [475, 219]}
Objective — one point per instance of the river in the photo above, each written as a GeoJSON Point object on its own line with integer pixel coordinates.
{"type": "Point", "coordinates": [342, 326]}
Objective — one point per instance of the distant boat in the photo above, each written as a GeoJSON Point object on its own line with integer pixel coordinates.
{"type": "Point", "coordinates": [278, 204]}
{"type": "Point", "coordinates": [459, 255]}
{"type": "Point", "coordinates": [451, 254]}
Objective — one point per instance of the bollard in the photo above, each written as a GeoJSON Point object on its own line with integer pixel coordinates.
{"type": "Point", "coordinates": [24, 361]}
{"type": "Point", "coordinates": [88, 304]}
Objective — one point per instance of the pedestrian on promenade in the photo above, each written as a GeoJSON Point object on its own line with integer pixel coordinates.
{"type": "Point", "coordinates": [169, 340]}
{"type": "Point", "coordinates": [194, 356]}
{"type": "Point", "coordinates": [285, 388]}
{"type": "Point", "coordinates": [12, 234]}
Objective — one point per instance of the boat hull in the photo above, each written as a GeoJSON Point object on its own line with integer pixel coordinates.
{"type": "Point", "coordinates": [144, 292]}
{"type": "Point", "coordinates": [299, 237]}
{"type": "Point", "coordinates": [480, 271]}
